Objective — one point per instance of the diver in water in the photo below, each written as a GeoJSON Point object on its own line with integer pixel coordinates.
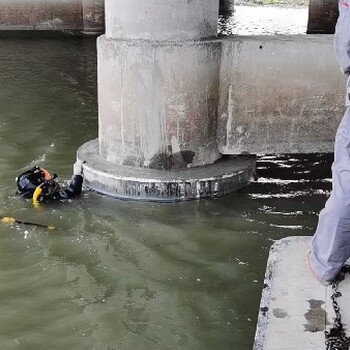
{"type": "Point", "coordinates": [40, 186]}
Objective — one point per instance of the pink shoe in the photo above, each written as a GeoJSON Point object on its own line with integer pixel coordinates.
{"type": "Point", "coordinates": [319, 279]}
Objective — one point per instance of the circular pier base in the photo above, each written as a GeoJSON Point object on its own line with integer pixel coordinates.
{"type": "Point", "coordinates": [224, 177]}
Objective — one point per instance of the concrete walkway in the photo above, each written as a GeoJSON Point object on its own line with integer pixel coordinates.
{"type": "Point", "coordinates": [295, 308]}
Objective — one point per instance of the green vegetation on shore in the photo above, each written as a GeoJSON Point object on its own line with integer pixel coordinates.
{"type": "Point", "coordinates": [293, 3]}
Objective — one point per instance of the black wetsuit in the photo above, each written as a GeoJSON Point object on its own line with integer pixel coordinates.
{"type": "Point", "coordinates": [72, 191]}
{"type": "Point", "coordinates": [39, 178]}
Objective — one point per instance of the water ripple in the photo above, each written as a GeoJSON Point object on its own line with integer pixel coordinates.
{"type": "Point", "coordinates": [264, 20]}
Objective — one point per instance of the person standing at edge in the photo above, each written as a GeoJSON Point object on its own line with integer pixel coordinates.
{"type": "Point", "coordinates": [331, 242]}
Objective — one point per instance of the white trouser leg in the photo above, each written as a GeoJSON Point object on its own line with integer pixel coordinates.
{"type": "Point", "coordinates": [331, 242]}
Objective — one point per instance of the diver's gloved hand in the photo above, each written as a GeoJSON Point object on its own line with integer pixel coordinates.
{"type": "Point", "coordinates": [50, 186]}
{"type": "Point", "coordinates": [52, 181]}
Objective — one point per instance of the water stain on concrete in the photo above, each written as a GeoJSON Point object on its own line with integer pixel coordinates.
{"type": "Point", "coordinates": [279, 313]}
{"type": "Point", "coordinates": [168, 161]}
{"type": "Point", "coordinates": [316, 317]}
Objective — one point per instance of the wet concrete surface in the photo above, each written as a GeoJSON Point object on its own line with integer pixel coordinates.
{"type": "Point", "coordinates": [296, 309]}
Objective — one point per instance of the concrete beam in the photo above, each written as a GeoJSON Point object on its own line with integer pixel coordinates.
{"type": "Point", "coordinates": [279, 94]}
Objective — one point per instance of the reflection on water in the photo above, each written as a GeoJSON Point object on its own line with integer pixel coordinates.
{"type": "Point", "coordinates": [124, 275]}
{"type": "Point", "coordinates": [264, 20]}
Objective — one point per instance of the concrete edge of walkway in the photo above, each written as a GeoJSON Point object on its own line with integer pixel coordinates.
{"type": "Point", "coordinates": [275, 256]}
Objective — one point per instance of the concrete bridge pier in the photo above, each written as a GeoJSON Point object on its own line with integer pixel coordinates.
{"type": "Point", "coordinates": [226, 8]}
{"type": "Point", "coordinates": [92, 16]}
{"type": "Point", "coordinates": [323, 16]}
{"type": "Point", "coordinates": [158, 88]}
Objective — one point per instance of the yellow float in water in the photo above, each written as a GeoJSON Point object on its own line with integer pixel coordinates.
{"type": "Point", "coordinates": [36, 195]}
{"type": "Point", "coordinates": [11, 220]}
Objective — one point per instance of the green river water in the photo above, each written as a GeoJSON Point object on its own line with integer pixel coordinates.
{"type": "Point", "coordinates": [125, 275]}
